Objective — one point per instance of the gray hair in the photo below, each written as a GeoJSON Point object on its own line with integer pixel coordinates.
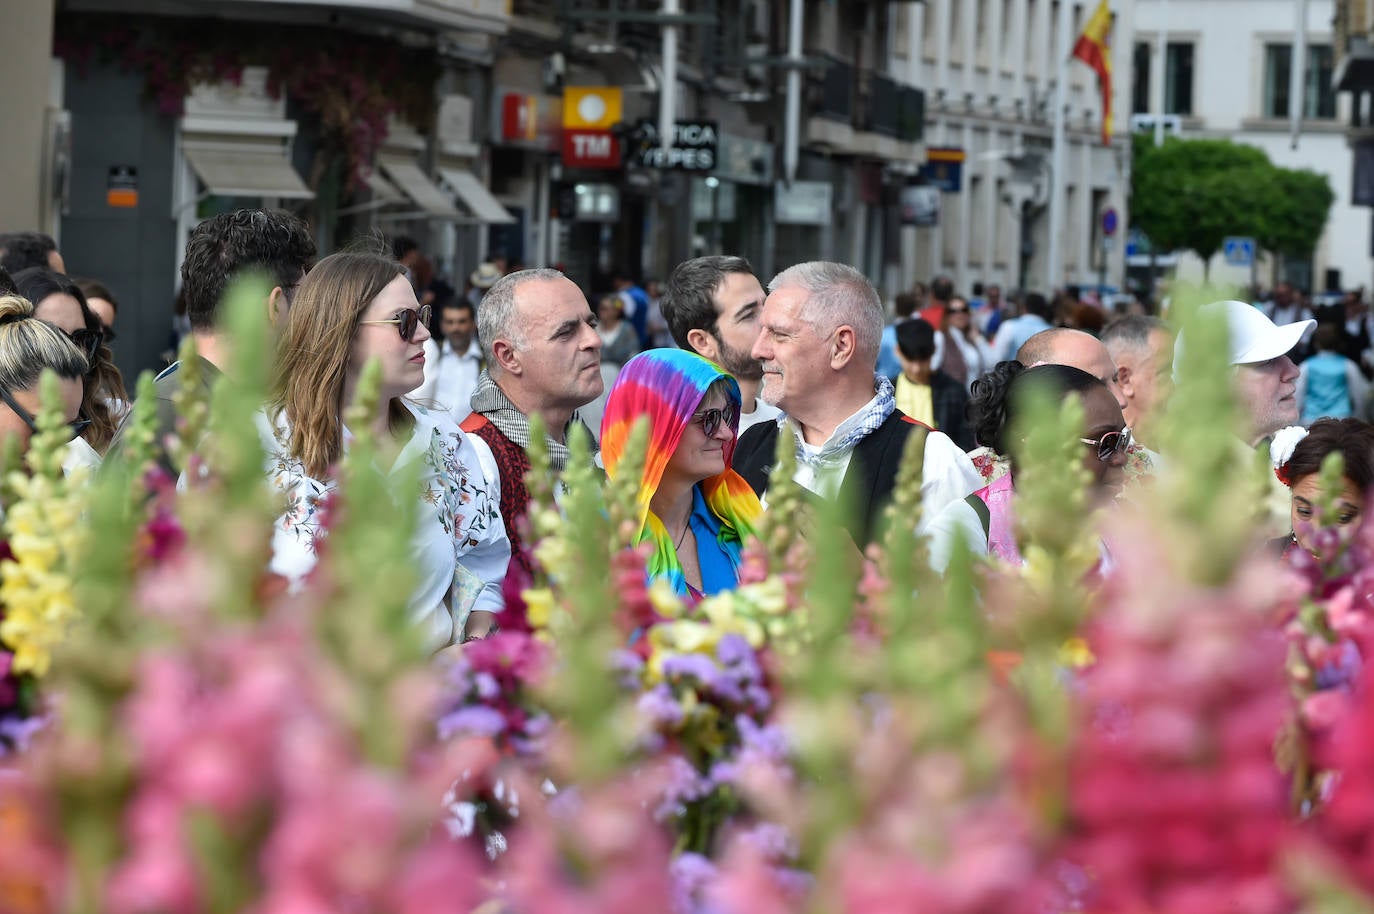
{"type": "Point", "coordinates": [28, 346]}
{"type": "Point", "coordinates": [838, 295]}
{"type": "Point", "coordinates": [1131, 333]}
{"type": "Point", "coordinates": [496, 315]}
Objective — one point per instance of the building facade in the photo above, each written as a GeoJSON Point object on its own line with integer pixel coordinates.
{"type": "Point", "coordinates": [1226, 74]}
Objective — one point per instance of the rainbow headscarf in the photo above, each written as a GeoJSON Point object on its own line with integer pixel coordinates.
{"type": "Point", "coordinates": [668, 385]}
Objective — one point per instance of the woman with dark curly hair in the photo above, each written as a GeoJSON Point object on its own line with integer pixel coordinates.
{"type": "Point", "coordinates": [1298, 455]}
{"type": "Point", "coordinates": [999, 399]}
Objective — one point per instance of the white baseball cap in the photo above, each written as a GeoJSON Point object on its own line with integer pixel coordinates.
{"type": "Point", "coordinates": [1254, 338]}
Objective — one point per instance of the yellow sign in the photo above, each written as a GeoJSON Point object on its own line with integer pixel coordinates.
{"type": "Point", "coordinates": [591, 107]}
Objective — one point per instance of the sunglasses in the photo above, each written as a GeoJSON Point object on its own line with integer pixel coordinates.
{"type": "Point", "coordinates": [1110, 444]}
{"type": "Point", "coordinates": [956, 311]}
{"type": "Point", "coordinates": [77, 425]}
{"type": "Point", "coordinates": [88, 341]}
{"type": "Point", "coordinates": [711, 420]}
{"type": "Point", "coordinates": [408, 321]}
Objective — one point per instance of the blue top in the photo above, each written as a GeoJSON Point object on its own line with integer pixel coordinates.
{"type": "Point", "coordinates": [1021, 329]}
{"type": "Point", "coordinates": [719, 561]}
{"type": "Point", "coordinates": [888, 366]}
{"type": "Point", "coordinates": [1328, 390]}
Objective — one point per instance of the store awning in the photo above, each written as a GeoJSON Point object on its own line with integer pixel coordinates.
{"type": "Point", "coordinates": [475, 197]}
{"type": "Point", "coordinates": [382, 189]}
{"type": "Point", "coordinates": [247, 171]}
{"type": "Point", "coordinates": [418, 187]}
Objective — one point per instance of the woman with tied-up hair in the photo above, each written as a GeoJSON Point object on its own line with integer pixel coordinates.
{"type": "Point", "coordinates": [60, 302]}
{"type": "Point", "coordinates": [28, 347]}
{"type": "Point", "coordinates": [350, 309]}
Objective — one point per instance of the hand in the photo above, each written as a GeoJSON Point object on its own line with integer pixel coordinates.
{"type": "Point", "coordinates": [481, 624]}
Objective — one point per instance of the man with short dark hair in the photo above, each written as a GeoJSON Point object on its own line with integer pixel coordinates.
{"type": "Point", "coordinates": [941, 291]}
{"type": "Point", "coordinates": [712, 307]}
{"type": "Point", "coordinates": [222, 249]}
{"type": "Point", "coordinates": [453, 361]}
{"type": "Point", "coordinates": [22, 250]}
{"type": "Point", "coordinates": [904, 307]}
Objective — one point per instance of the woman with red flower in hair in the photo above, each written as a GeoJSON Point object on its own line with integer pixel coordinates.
{"type": "Point", "coordinates": [1321, 523]}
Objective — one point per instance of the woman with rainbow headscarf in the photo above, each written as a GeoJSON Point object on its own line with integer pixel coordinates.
{"type": "Point", "coordinates": [694, 509]}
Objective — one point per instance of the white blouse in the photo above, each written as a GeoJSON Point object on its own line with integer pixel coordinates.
{"type": "Point", "coordinates": [461, 548]}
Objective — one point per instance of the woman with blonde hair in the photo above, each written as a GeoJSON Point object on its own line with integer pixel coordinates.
{"type": "Point", "coordinates": [351, 309]}
{"type": "Point", "coordinates": [28, 347]}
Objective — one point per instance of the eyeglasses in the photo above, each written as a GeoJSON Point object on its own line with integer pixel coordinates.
{"type": "Point", "coordinates": [956, 311]}
{"type": "Point", "coordinates": [408, 321]}
{"type": "Point", "coordinates": [77, 425]}
{"type": "Point", "coordinates": [88, 341]}
{"type": "Point", "coordinates": [1110, 444]}
{"type": "Point", "coordinates": [711, 420]}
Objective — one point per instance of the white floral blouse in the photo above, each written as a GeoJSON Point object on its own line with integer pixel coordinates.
{"type": "Point", "coordinates": [461, 548]}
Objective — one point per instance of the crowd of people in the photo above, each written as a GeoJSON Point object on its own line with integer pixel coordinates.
{"type": "Point", "coordinates": [719, 364]}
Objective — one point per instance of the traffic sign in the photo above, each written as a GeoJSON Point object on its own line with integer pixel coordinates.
{"type": "Point", "coordinates": [1109, 221]}
{"type": "Point", "coordinates": [1239, 252]}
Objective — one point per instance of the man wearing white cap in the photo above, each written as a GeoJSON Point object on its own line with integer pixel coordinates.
{"type": "Point", "coordinates": [1265, 377]}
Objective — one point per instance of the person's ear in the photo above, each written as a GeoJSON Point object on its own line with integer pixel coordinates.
{"type": "Point", "coordinates": [507, 357]}
{"type": "Point", "coordinates": [842, 347]}
{"type": "Point", "coordinates": [277, 306]}
{"type": "Point", "coordinates": [703, 343]}
{"type": "Point", "coordinates": [1126, 381]}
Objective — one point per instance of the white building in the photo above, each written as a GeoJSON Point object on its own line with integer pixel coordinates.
{"type": "Point", "coordinates": [988, 68]}
{"type": "Point", "coordinates": [1226, 74]}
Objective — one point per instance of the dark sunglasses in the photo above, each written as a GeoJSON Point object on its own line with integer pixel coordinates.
{"type": "Point", "coordinates": [408, 321]}
{"type": "Point", "coordinates": [1110, 444]}
{"type": "Point", "coordinates": [88, 341]}
{"type": "Point", "coordinates": [77, 425]}
{"type": "Point", "coordinates": [956, 311]}
{"type": "Point", "coordinates": [711, 420]}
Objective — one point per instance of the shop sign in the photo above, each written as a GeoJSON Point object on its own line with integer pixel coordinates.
{"type": "Point", "coordinates": [745, 161]}
{"type": "Point", "coordinates": [121, 187]}
{"type": "Point", "coordinates": [532, 120]}
{"type": "Point", "coordinates": [591, 107]}
{"type": "Point", "coordinates": [944, 168]}
{"type": "Point", "coordinates": [920, 205]}
{"type": "Point", "coordinates": [803, 203]}
{"type": "Point", "coordinates": [694, 146]}
{"type": "Point", "coordinates": [590, 149]}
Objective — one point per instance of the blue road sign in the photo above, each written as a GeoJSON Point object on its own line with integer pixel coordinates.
{"type": "Point", "coordinates": [1239, 252]}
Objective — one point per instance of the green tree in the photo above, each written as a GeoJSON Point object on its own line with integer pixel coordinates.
{"type": "Point", "coordinates": [1192, 194]}
{"type": "Point", "coordinates": [1296, 215]}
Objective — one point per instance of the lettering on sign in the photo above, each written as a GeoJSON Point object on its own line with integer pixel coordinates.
{"type": "Point", "coordinates": [694, 148]}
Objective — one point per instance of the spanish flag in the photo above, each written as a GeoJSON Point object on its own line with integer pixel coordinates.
{"type": "Point", "coordinates": [1094, 49]}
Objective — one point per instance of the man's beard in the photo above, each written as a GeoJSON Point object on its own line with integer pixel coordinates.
{"type": "Point", "coordinates": [740, 364]}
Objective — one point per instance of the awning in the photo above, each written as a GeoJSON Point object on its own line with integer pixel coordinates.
{"type": "Point", "coordinates": [419, 188]}
{"type": "Point", "coordinates": [475, 197]}
{"type": "Point", "coordinates": [1355, 70]}
{"type": "Point", "coordinates": [247, 171]}
{"type": "Point", "coordinates": [382, 189]}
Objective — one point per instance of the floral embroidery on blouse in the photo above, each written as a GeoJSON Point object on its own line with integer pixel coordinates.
{"type": "Point", "coordinates": [466, 509]}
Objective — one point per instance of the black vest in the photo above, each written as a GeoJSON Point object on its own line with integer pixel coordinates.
{"type": "Point", "coordinates": [867, 483]}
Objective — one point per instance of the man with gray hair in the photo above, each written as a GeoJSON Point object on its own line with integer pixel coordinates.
{"type": "Point", "coordinates": [1143, 349]}
{"type": "Point", "coordinates": [818, 342]}
{"type": "Point", "coordinates": [712, 306]}
{"type": "Point", "coordinates": [543, 358]}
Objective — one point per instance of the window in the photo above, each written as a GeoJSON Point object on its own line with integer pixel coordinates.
{"type": "Point", "coordinates": [1140, 73]}
{"type": "Point", "coordinates": [1319, 99]}
{"type": "Point", "coordinates": [1178, 79]}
